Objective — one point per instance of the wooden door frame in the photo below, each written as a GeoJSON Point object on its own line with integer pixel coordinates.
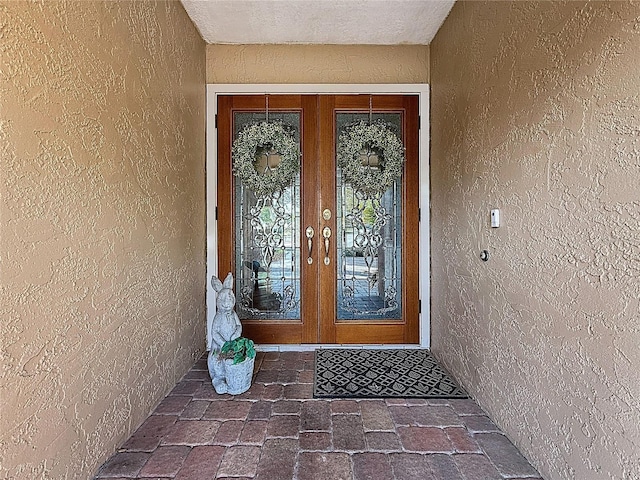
{"type": "Point", "coordinates": [422, 90]}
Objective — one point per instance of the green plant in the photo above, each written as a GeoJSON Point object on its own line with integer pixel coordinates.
{"type": "Point", "coordinates": [368, 214]}
{"type": "Point", "coordinates": [238, 349]}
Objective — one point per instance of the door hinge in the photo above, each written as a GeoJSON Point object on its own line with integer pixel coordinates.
{"type": "Point", "coordinates": [419, 122]}
{"type": "Point", "coordinates": [419, 215]}
{"type": "Point", "coordinates": [216, 214]}
{"type": "Point", "coordinates": [419, 306]}
{"type": "Point", "coordinates": [216, 121]}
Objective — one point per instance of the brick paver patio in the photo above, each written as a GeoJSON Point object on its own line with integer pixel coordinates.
{"type": "Point", "coordinates": [277, 431]}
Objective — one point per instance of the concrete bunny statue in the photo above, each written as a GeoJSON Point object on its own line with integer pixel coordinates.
{"type": "Point", "coordinates": [225, 326]}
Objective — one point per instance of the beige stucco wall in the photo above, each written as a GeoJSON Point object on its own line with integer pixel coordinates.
{"type": "Point", "coordinates": [536, 111]}
{"type": "Point", "coordinates": [102, 225]}
{"type": "Point", "coordinates": [349, 64]}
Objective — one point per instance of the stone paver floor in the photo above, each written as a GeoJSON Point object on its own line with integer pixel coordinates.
{"type": "Point", "coordinates": [277, 431]}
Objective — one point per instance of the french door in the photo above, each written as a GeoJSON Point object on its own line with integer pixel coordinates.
{"type": "Point", "coordinates": [321, 261]}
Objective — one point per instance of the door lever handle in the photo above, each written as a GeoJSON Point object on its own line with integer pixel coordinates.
{"type": "Point", "coordinates": [309, 232]}
{"type": "Point", "coordinates": [326, 233]}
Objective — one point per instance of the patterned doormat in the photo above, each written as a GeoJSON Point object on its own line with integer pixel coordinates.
{"type": "Point", "coordinates": [359, 373]}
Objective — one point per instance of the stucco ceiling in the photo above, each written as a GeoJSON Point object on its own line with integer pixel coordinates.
{"type": "Point", "coordinates": [346, 22]}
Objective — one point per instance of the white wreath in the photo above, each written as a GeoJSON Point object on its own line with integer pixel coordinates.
{"type": "Point", "coordinates": [263, 135]}
{"type": "Point", "coordinates": [365, 137]}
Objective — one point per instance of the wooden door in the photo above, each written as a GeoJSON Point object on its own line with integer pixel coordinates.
{"type": "Point", "coordinates": [359, 284]}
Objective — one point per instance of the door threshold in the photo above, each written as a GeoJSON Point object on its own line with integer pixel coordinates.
{"type": "Point", "coordinates": [309, 347]}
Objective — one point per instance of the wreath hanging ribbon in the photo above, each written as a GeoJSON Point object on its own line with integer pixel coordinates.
{"type": "Point", "coordinates": [271, 136]}
{"type": "Point", "coordinates": [367, 137]}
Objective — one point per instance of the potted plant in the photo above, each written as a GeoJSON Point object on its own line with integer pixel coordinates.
{"type": "Point", "coordinates": [239, 357]}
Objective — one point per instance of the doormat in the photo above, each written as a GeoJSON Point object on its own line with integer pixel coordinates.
{"type": "Point", "coordinates": [359, 373]}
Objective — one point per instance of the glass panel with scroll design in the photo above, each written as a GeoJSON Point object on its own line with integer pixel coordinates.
{"type": "Point", "coordinates": [267, 236]}
{"type": "Point", "coordinates": [369, 272]}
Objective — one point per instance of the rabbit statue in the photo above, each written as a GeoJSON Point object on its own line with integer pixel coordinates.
{"type": "Point", "coordinates": [225, 326]}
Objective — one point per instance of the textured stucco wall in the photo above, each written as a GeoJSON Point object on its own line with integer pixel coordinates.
{"type": "Point", "coordinates": [102, 225]}
{"type": "Point", "coordinates": [350, 64]}
{"type": "Point", "coordinates": [535, 110]}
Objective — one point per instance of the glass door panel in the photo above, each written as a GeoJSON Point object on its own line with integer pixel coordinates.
{"type": "Point", "coordinates": [267, 233]}
{"type": "Point", "coordinates": [369, 249]}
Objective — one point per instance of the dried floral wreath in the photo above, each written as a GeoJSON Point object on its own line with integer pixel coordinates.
{"type": "Point", "coordinates": [271, 136]}
{"type": "Point", "coordinates": [375, 136]}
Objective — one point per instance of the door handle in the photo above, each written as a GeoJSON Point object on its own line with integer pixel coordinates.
{"type": "Point", "coordinates": [326, 233]}
{"type": "Point", "coordinates": [309, 232]}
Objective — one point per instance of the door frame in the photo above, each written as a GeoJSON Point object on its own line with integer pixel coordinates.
{"type": "Point", "coordinates": [421, 89]}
